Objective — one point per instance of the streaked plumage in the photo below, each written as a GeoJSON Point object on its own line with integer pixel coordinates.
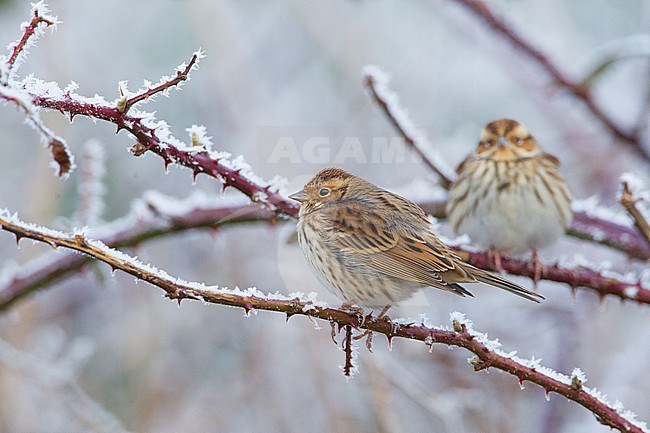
{"type": "Point", "coordinates": [375, 248]}
{"type": "Point", "coordinates": [509, 195]}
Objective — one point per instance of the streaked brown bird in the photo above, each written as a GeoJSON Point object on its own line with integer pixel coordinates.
{"type": "Point", "coordinates": [509, 195]}
{"type": "Point", "coordinates": [374, 248]}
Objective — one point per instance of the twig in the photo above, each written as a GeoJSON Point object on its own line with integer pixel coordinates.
{"type": "Point", "coordinates": [376, 82]}
{"type": "Point", "coordinates": [182, 74]}
{"type": "Point", "coordinates": [29, 30]}
{"type": "Point", "coordinates": [348, 367]}
{"type": "Point", "coordinates": [57, 145]}
{"type": "Point", "coordinates": [629, 203]}
{"type": "Point", "coordinates": [488, 354]}
{"type": "Point", "coordinates": [484, 12]}
{"type": "Point", "coordinates": [140, 226]}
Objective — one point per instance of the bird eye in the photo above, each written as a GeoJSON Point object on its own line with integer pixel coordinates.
{"type": "Point", "coordinates": [520, 141]}
{"type": "Point", "coordinates": [489, 142]}
{"type": "Point", "coordinates": [324, 192]}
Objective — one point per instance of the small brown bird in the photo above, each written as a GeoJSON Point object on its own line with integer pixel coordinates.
{"type": "Point", "coordinates": [509, 195]}
{"type": "Point", "coordinates": [375, 248]}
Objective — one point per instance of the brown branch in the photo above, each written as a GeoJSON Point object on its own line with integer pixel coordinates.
{"type": "Point", "coordinates": [484, 12]}
{"type": "Point", "coordinates": [629, 203]}
{"type": "Point", "coordinates": [375, 81]}
{"type": "Point", "coordinates": [28, 32]}
{"type": "Point", "coordinates": [486, 351]}
{"type": "Point", "coordinates": [181, 75]}
{"type": "Point", "coordinates": [348, 367]}
{"type": "Point", "coordinates": [129, 231]}
{"type": "Point", "coordinates": [198, 161]}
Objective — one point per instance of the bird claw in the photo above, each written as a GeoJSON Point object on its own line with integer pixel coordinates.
{"type": "Point", "coordinates": [538, 268]}
{"type": "Point", "coordinates": [368, 335]}
{"type": "Point", "coordinates": [495, 259]}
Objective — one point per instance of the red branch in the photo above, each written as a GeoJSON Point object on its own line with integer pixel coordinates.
{"type": "Point", "coordinates": [198, 161]}
{"type": "Point", "coordinates": [481, 10]}
{"type": "Point", "coordinates": [28, 33]}
{"type": "Point", "coordinates": [181, 75]}
{"type": "Point", "coordinates": [26, 281]}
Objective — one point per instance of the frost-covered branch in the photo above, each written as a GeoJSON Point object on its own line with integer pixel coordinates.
{"type": "Point", "coordinates": [154, 135]}
{"type": "Point", "coordinates": [487, 352]}
{"type": "Point", "coordinates": [588, 221]}
{"type": "Point", "coordinates": [166, 83]}
{"type": "Point", "coordinates": [151, 217]}
{"type": "Point", "coordinates": [629, 199]}
{"type": "Point", "coordinates": [12, 91]}
{"type": "Point", "coordinates": [484, 12]}
{"type": "Point", "coordinates": [32, 30]}
{"type": "Point", "coordinates": [376, 82]}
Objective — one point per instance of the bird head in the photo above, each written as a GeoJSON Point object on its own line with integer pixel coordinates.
{"type": "Point", "coordinates": [328, 185]}
{"type": "Point", "coordinates": [507, 140]}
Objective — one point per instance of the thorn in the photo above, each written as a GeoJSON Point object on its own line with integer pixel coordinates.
{"type": "Point", "coordinates": [390, 342]}
{"type": "Point", "coordinates": [223, 187]}
{"type": "Point", "coordinates": [289, 315]}
{"type": "Point", "coordinates": [167, 162]}
{"type": "Point", "coordinates": [195, 173]}
{"type": "Point", "coordinates": [18, 238]}
{"type": "Point", "coordinates": [547, 394]}
{"type": "Point", "coordinates": [574, 290]}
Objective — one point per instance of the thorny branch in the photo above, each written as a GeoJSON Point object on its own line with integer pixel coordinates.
{"type": "Point", "coordinates": [140, 226]}
{"type": "Point", "coordinates": [182, 74]}
{"type": "Point", "coordinates": [629, 203]}
{"type": "Point", "coordinates": [484, 12]}
{"type": "Point", "coordinates": [487, 353]}
{"type": "Point", "coordinates": [583, 225]}
{"type": "Point", "coordinates": [28, 32]}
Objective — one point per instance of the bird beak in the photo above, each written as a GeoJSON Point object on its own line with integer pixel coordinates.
{"type": "Point", "coordinates": [502, 142]}
{"type": "Point", "coordinates": [299, 196]}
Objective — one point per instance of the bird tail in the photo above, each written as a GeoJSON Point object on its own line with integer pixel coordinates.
{"type": "Point", "coordinates": [502, 283]}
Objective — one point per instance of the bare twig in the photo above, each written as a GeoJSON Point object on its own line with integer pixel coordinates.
{"type": "Point", "coordinates": [182, 74]}
{"type": "Point", "coordinates": [629, 203]}
{"type": "Point", "coordinates": [376, 82]}
{"type": "Point", "coordinates": [487, 352]}
{"type": "Point", "coordinates": [484, 12]}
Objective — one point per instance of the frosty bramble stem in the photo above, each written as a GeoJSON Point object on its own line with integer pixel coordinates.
{"type": "Point", "coordinates": [28, 33]}
{"type": "Point", "coordinates": [133, 232]}
{"type": "Point", "coordinates": [583, 225]}
{"type": "Point", "coordinates": [486, 351]}
{"type": "Point", "coordinates": [378, 94]}
{"type": "Point", "coordinates": [199, 162]}
{"type": "Point", "coordinates": [181, 75]}
{"type": "Point", "coordinates": [483, 11]}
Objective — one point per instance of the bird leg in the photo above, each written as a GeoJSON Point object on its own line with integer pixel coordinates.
{"type": "Point", "coordinates": [495, 259]}
{"type": "Point", "coordinates": [368, 333]}
{"type": "Point", "coordinates": [537, 267]}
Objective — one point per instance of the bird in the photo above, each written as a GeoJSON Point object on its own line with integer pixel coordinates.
{"type": "Point", "coordinates": [374, 248]}
{"type": "Point", "coordinates": [509, 196]}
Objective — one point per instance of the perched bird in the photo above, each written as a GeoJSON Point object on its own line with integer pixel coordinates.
{"type": "Point", "coordinates": [509, 196]}
{"type": "Point", "coordinates": [374, 248]}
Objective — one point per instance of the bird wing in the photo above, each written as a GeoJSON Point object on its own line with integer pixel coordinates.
{"type": "Point", "coordinates": [361, 229]}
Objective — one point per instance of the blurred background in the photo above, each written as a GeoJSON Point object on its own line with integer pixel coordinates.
{"type": "Point", "coordinates": [281, 85]}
